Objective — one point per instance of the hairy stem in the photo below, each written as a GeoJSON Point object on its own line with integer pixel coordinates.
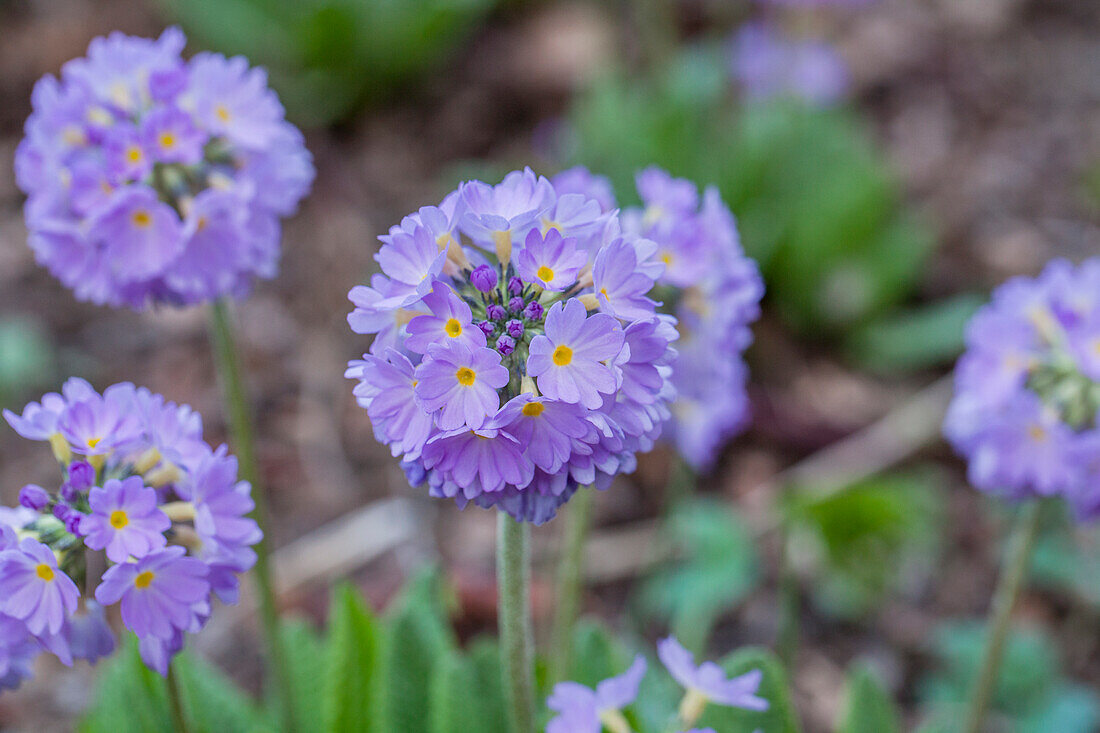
{"type": "Point", "coordinates": [175, 704]}
{"type": "Point", "coordinates": [516, 635]}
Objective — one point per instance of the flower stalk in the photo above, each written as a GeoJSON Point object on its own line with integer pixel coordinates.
{"type": "Point", "coordinates": [175, 703]}
{"type": "Point", "coordinates": [240, 428]}
{"type": "Point", "coordinates": [569, 583]}
{"type": "Point", "coordinates": [1004, 599]}
{"type": "Point", "coordinates": [516, 633]}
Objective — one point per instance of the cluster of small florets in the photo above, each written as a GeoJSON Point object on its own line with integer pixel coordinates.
{"type": "Point", "coordinates": [140, 486]}
{"type": "Point", "coordinates": [517, 354]}
{"type": "Point", "coordinates": [581, 709]}
{"type": "Point", "coordinates": [154, 179]}
{"type": "Point", "coordinates": [1028, 388]}
{"type": "Point", "coordinates": [710, 286]}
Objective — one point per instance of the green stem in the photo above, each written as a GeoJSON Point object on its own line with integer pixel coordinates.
{"type": "Point", "coordinates": [789, 601]}
{"type": "Point", "coordinates": [569, 586]}
{"type": "Point", "coordinates": [1004, 599]}
{"type": "Point", "coordinates": [240, 428]}
{"type": "Point", "coordinates": [175, 703]}
{"type": "Point", "coordinates": [516, 635]}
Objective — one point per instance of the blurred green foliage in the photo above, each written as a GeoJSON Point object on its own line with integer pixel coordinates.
{"type": "Point", "coordinates": [327, 57]}
{"type": "Point", "coordinates": [1031, 693]}
{"type": "Point", "coordinates": [860, 541]}
{"type": "Point", "coordinates": [868, 707]}
{"type": "Point", "coordinates": [716, 567]}
{"type": "Point", "coordinates": [815, 201]}
{"type": "Point", "coordinates": [1067, 556]}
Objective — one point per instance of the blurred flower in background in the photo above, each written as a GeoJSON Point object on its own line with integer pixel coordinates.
{"type": "Point", "coordinates": [766, 64]}
{"type": "Point", "coordinates": [487, 374]}
{"type": "Point", "coordinates": [1027, 389]}
{"type": "Point", "coordinates": [142, 485]}
{"type": "Point", "coordinates": [151, 179]}
{"type": "Point", "coordinates": [712, 288]}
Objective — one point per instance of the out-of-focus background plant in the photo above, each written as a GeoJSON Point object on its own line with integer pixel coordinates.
{"type": "Point", "coordinates": [888, 163]}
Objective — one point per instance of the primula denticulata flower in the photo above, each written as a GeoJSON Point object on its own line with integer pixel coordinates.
{"type": "Point", "coordinates": [688, 256]}
{"type": "Point", "coordinates": [151, 179]}
{"type": "Point", "coordinates": [502, 371]}
{"type": "Point", "coordinates": [141, 485]}
{"type": "Point", "coordinates": [1027, 389]}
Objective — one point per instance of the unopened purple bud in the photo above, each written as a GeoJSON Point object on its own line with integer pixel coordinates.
{"type": "Point", "coordinates": [514, 328]}
{"type": "Point", "coordinates": [72, 523]}
{"type": "Point", "coordinates": [515, 286]}
{"type": "Point", "coordinates": [81, 475]}
{"type": "Point", "coordinates": [62, 511]}
{"type": "Point", "coordinates": [484, 278]}
{"type": "Point", "coordinates": [34, 497]}
{"type": "Point", "coordinates": [69, 492]}
{"type": "Point", "coordinates": [516, 304]}
{"type": "Point", "coordinates": [487, 327]}
{"type": "Point", "coordinates": [533, 311]}
{"type": "Point", "coordinates": [496, 312]}
{"type": "Point", "coordinates": [506, 345]}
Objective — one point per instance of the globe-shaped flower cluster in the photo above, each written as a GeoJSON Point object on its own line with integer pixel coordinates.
{"type": "Point", "coordinates": [154, 179]}
{"type": "Point", "coordinates": [1027, 389]}
{"type": "Point", "coordinates": [516, 353]}
{"type": "Point", "coordinates": [141, 486]}
{"type": "Point", "coordinates": [712, 288]}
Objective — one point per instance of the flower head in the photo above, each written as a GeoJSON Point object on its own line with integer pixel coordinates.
{"type": "Point", "coordinates": [487, 375]}
{"type": "Point", "coordinates": [151, 179]}
{"type": "Point", "coordinates": [767, 64]}
{"type": "Point", "coordinates": [1026, 399]}
{"type": "Point", "coordinates": [136, 476]}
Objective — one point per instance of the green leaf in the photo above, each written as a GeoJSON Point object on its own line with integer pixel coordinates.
{"type": "Point", "coordinates": [860, 539]}
{"type": "Point", "coordinates": [597, 655]}
{"type": "Point", "coordinates": [780, 717]}
{"type": "Point", "coordinates": [27, 358]}
{"type": "Point", "coordinates": [418, 636]}
{"type": "Point", "coordinates": [457, 702]}
{"type": "Point", "coordinates": [131, 698]}
{"type": "Point", "coordinates": [308, 671]}
{"type": "Point", "coordinates": [868, 707]}
{"type": "Point", "coordinates": [484, 654]}
{"type": "Point", "coordinates": [717, 568]}
{"type": "Point", "coordinates": [915, 339]}
{"type": "Point", "coordinates": [352, 665]}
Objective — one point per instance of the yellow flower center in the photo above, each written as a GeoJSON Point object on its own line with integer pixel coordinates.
{"type": "Point", "coordinates": [201, 224]}
{"type": "Point", "coordinates": [167, 140]}
{"type": "Point", "coordinates": [533, 409]}
{"type": "Point", "coordinates": [453, 327]}
{"type": "Point", "coordinates": [1037, 433]}
{"type": "Point", "coordinates": [545, 274]}
{"type": "Point", "coordinates": [144, 580]}
{"type": "Point", "coordinates": [666, 258]}
{"type": "Point", "coordinates": [563, 355]}
{"type": "Point", "coordinates": [118, 519]}
{"type": "Point", "coordinates": [45, 572]}
{"type": "Point", "coordinates": [93, 442]}
{"type": "Point", "coordinates": [141, 218]}
{"type": "Point", "coordinates": [73, 135]}
{"type": "Point", "coordinates": [133, 154]}
{"type": "Point", "coordinates": [222, 112]}
{"type": "Point", "coordinates": [465, 376]}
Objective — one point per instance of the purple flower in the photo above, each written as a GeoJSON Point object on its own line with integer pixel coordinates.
{"type": "Point", "coordinates": [551, 262]}
{"type": "Point", "coordinates": [222, 504]}
{"type": "Point", "coordinates": [156, 593]}
{"type": "Point", "coordinates": [120, 156]}
{"type": "Point", "coordinates": [767, 64]}
{"type": "Point", "coordinates": [620, 287]}
{"type": "Point", "coordinates": [484, 278]}
{"type": "Point", "coordinates": [139, 234]}
{"type": "Point", "coordinates": [506, 345]}
{"type": "Point", "coordinates": [81, 475]}
{"type": "Point", "coordinates": [584, 710]}
{"type": "Point", "coordinates": [479, 461]}
{"type": "Point", "coordinates": [386, 389]}
{"type": "Point", "coordinates": [582, 181]}
{"type": "Point", "coordinates": [450, 320]}
{"type": "Point", "coordinates": [33, 589]}
{"type": "Point", "coordinates": [460, 384]}
{"type": "Point", "coordinates": [89, 635]}
{"type": "Point", "coordinates": [568, 359]}
{"type": "Point", "coordinates": [515, 286]}
{"type": "Point", "coordinates": [413, 260]}
{"type": "Point", "coordinates": [709, 681]}
{"type": "Point", "coordinates": [514, 328]}
{"type": "Point", "coordinates": [498, 216]}
{"type": "Point", "coordinates": [516, 304]}
{"type": "Point", "coordinates": [533, 311]}
{"type": "Point", "coordinates": [33, 496]}
{"type": "Point", "coordinates": [496, 312]}
{"type": "Point", "coordinates": [546, 428]}
{"type": "Point", "coordinates": [125, 520]}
